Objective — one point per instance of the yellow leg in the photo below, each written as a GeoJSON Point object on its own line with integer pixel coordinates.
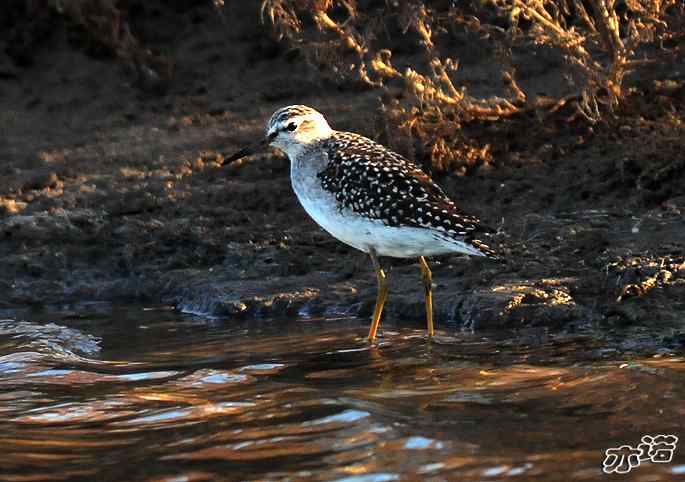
{"type": "Point", "coordinates": [427, 277]}
{"type": "Point", "coordinates": [382, 295]}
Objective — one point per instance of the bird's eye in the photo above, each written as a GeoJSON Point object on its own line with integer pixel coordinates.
{"type": "Point", "coordinates": [291, 127]}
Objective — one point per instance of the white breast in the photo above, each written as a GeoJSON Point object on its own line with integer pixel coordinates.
{"type": "Point", "coordinates": [363, 233]}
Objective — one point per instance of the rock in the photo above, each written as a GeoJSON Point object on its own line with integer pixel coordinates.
{"type": "Point", "coordinates": [217, 293]}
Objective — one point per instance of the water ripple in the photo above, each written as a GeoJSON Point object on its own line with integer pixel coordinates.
{"type": "Point", "coordinates": [161, 397]}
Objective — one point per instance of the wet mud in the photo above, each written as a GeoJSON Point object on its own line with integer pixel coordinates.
{"type": "Point", "coordinates": [113, 191]}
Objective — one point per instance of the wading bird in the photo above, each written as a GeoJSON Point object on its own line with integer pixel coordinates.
{"type": "Point", "coordinates": [370, 197]}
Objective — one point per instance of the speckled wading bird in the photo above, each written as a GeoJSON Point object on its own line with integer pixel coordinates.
{"type": "Point", "coordinates": [370, 197]}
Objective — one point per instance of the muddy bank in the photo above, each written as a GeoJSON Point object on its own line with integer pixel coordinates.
{"type": "Point", "coordinates": [112, 192]}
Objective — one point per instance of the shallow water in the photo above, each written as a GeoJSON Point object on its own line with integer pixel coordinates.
{"type": "Point", "coordinates": [103, 393]}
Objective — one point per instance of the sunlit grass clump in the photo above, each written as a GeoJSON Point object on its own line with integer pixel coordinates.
{"type": "Point", "coordinates": [599, 43]}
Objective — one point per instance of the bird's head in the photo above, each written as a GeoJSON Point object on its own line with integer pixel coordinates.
{"type": "Point", "coordinates": [289, 129]}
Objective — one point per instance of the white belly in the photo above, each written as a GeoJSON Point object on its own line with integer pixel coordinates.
{"type": "Point", "coordinates": [363, 233]}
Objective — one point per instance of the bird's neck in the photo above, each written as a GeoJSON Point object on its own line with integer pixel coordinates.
{"type": "Point", "coordinates": [308, 153]}
{"type": "Point", "coordinates": [306, 162]}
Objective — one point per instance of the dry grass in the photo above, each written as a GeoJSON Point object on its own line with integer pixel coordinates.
{"type": "Point", "coordinates": [598, 40]}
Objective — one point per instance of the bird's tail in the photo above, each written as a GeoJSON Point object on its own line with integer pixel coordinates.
{"type": "Point", "coordinates": [484, 248]}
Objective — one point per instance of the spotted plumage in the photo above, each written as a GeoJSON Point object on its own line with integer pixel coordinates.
{"type": "Point", "coordinates": [378, 183]}
{"type": "Point", "coordinates": [370, 198]}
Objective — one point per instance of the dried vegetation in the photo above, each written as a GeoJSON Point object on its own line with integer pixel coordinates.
{"type": "Point", "coordinates": [598, 43]}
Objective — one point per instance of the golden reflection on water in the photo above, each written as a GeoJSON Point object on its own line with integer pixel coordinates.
{"type": "Point", "coordinates": [191, 399]}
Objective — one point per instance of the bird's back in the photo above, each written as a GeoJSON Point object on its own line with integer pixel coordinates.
{"type": "Point", "coordinates": [381, 185]}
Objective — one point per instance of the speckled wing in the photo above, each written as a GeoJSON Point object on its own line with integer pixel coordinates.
{"type": "Point", "coordinates": [380, 184]}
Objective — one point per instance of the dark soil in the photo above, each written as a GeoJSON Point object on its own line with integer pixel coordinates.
{"type": "Point", "coordinates": [111, 189]}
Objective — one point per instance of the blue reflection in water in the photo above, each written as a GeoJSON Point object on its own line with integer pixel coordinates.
{"type": "Point", "coordinates": [346, 416]}
{"type": "Point", "coordinates": [160, 417]}
{"type": "Point", "coordinates": [134, 377]}
{"type": "Point", "coordinates": [380, 477]}
{"type": "Point", "coordinates": [50, 373]}
{"type": "Point", "coordinates": [220, 378]}
{"type": "Point", "coordinates": [422, 443]}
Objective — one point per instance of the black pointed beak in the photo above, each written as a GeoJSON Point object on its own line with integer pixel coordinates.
{"type": "Point", "coordinates": [249, 150]}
